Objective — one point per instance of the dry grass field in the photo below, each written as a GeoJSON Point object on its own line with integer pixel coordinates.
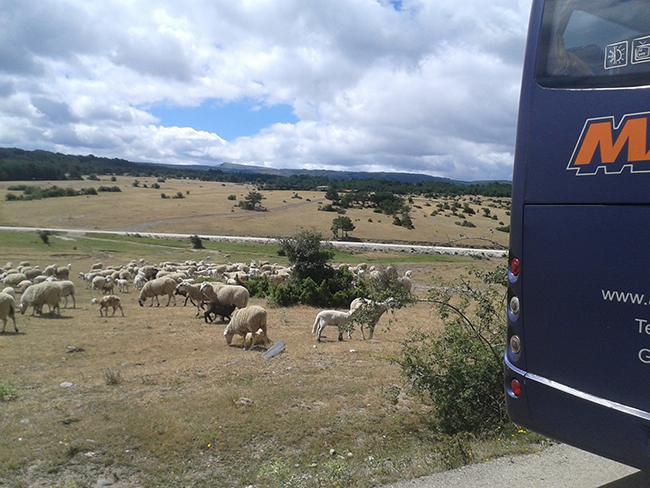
{"type": "Point", "coordinates": [207, 210]}
{"type": "Point", "coordinates": [159, 400]}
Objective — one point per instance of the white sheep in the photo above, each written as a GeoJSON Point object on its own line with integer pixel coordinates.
{"type": "Point", "coordinates": [23, 285]}
{"type": "Point", "coordinates": [139, 281]}
{"type": "Point", "coordinates": [373, 311]}
{"type": "Point", "coordinates": [226, 294]}
{"type": "Point", "coordinates": [154, 288]}
{"type": "Point", "coordinates": [46, 293]}
{"type": "Point", "coordinates": [7, 309]}
{"type": "Point", "coordinates": [330, 317]}
{"type": "Point", "coordinates": [67, 290]}
{"type": "Point", "coordinates": [98, 283]}
{"type": "Point", "coordinates": [39, 279]}
{"type": "Point", "coordinates": [406, 281]}
{"type": "Point", "coordinates": [122, 285]}
{"type": "Point", "coordinates": [12, 279]}
{"type": "Point", "coordinates": [191, 292]}
{"type": "Point", "coordinates": [108, 301]}
{"type": "Point", "coordinates": [247, 320]}
{"type": "Point", "coordinates": [10, 291]}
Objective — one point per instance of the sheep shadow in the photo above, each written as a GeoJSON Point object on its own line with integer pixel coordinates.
{"type": "Point", "coordinates": [11, 333]}
{"type": "Point", "coordinates": [49, 316]}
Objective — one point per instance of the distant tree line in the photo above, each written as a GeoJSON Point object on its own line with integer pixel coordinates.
{"type": "Point", "coordinates": [21, 165]}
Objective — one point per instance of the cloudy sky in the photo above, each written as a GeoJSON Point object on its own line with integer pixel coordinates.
{"type": "Point", "coordinates": [426, 86]}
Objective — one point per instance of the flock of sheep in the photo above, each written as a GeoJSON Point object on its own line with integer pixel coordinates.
{"type": "Point", "coordinates": [216, 290]}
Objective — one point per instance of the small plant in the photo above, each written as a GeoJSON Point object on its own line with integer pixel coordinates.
{"type": "Point", "coordinates": [136, 183]}
{"type": "Point", "coordinates": [253, 201]}
{"type": "Point", "coordinates": [44, 236]}
{"type": "Point", "coordinates": [196, 241]}
{"type": "Point", "coordinates": [465, 223]}
{"type": "Point", "coordinates": [179, 194]}
{"type": "Point", "coordinates": [232, 197]}
{"type": "Point", "coordinates": [155, 186]}
{"type": "Point", "coordinates": [93, 177]}
{"type": "Point", "coordinates": [455, 451]}
{"type": "Point", "coordinates": [164, 196]}
{"type": "Point", "coordinates": [113, 178]}
{"type": "Point", "coordinates": [7, 392]}
{"type": "Point", "coordinates": [112, 377]}
{"type": "Point", "coordinates": [504, 228]}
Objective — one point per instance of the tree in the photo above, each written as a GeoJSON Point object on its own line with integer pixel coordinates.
{"type": "Point", "coordinates": [332, 194]}
{"type": "Point", "coordinates": [252, 201]}
{"type": "Point", "coordinates": [309, 257]}
{"type": "Point", "coordinates": [196, 241]}
{"type": "Point", "coordinates": [342, 224]}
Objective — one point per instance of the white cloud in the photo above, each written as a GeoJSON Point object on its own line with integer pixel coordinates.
{"type": "Point", "coordinates": [430, 88]}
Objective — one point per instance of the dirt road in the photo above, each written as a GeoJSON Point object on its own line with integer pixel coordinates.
{"type": "Point", "coordinates": [558, 466]}
{"type": "Point", "coordinates": [359, 246]}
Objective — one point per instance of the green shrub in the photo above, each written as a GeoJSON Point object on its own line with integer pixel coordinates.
{"type": "Point", "coordinates": [12, 197]}
{"type": "Point", "coordinates": [179, 194]}
{"type": "Point", "coordinates": [111, 189]}
{"type": "Point", "coordinates": [164, 196]}
{"type": "Point", "coordinates": [44, 235]}
{"type": "Point", "coordinates": [461, 370]}
{"type": "Point", "coordinates": [196, 241]}
{"type": "Point", "coordinates": [7, 392]}
{"type": "Point", "coordinates": [504, 228]}
{"type": "Point", "coordinates": [465, 223]}
{"type": "Point", "coordinates": [232, 197]}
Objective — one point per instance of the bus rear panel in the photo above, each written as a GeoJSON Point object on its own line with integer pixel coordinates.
{"type": "Point", "coordinates": [578, 355]}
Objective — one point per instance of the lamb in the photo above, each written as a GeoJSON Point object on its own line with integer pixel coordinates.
{"type": "Point", "coordinates": [252, 340]}
{"type": "Point", "coordinates": [330, 317]}
{"type": "Point", "coordinates": [96, 266]}
{"type": "Point", "coordinates": [122, 285]}
{"type": "Point", "coordinates": [67, 290]}
{"type": "Point", "coordinates": [46, 293]}
{"type": "Point", "coordinates": [217, 309]}
{"type": "Point", "coordinates": [226, 294]}
{"type": "Point", "coordinates": [108, 286]}
{"type": "Point", "coordinates": [245, 320]}
{"type": "Point", "coordinates": [192, 293]}
{"type": "Point", "coordinates": [108, 301]}
{"type": "Point", "coordinates": [7, 309]}
{"type": "Point", "coordinates": [10, 291]}
{"type": "Point", "coordinates": [160, 286]}
{"type": "Point", "coordinates": [63, 272]}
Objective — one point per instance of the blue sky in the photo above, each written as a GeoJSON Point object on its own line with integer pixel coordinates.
{"type": "Point", "coordinates": [229, 120]}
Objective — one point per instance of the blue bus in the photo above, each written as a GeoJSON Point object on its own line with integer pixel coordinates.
{"type": "Point", "coordinates": [578, 354]}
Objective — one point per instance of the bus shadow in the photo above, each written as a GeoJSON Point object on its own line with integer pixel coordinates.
{"type": "Point", "coordinates": [636, 480]}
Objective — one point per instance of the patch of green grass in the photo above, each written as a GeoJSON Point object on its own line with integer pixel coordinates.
{"type": "Point", "coordinates": [7, 392]}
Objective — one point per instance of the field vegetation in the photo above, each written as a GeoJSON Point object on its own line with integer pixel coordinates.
{"type": "Point", "coordinates": [191, 206]}
{"type": "Point", "coordinates": [158, 399]}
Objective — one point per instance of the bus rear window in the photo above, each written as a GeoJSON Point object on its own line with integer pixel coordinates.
{"type": "Point", "coordinates": [594, 44]}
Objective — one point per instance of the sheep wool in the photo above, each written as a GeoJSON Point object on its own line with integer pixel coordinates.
{"type": "Point", "coordinates": [7, 309]}
{"type": "Point", "coordinates": [155, 288]}
{"type": "Point", "coordinates": [244, 320]}
{"type": "Point", "coordinates": [46, 293]}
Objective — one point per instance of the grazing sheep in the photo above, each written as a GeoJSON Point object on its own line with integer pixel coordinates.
{"type": "Point", "coordinates": [245, 320]}
{"type": "Point", "coordinates": [39, 279]}
{"type": "Point", "coordinates": [98, 283]}
{"type": "Point", "coordinates": [373, 311]}
{"type": "Point", "coordinates": [96, 266]}
{"type": "Point", "coordinates": [108, 286]}
{"type": "Point", "coordinates": [46, 293]}
{"type": "Point", "coordinates": [32, 273]}
{"type": "Point", "coordinates": [406, 281]}
{"type": "Point", "coordinates": [139, 281]}
{"type": "Point", "coordinates": [7, 309]}
{"type": "Point", "coordinates": [160, 286]}
{"type": "Point", "coordinates": [10, 291]}
{"type": "Point", "coordinates": [12, 279]}
{"type": "Point", "coordinates": [23, 285]}
{"type": "Point", "coordinates": [149, 272]}
{"type": "Point", "coordinates": [191, 292]}
{"type": "Point", "coordinates": [122, 285]}
{"type": "Point", "coordinates": [108, 301]}
{"type": "Point", "coordinates": [63, 272]}
{"type": "Point", "coordinates": [67, 290]}
{"type": "Point", "coordinates": [226, 294]}
{"type": "Point", "coordinates": [330, 317]}
{"type": "Point", "coordinates": [217, 309]}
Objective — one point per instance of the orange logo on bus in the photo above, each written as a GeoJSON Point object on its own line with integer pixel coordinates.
{"type": "Point", "coordinates": [602, 144]}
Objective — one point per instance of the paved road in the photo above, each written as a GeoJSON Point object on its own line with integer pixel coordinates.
{"type": "Point", "coordinates": [362, 246]}
{"type": "Point", "coordinates": [555, 467]}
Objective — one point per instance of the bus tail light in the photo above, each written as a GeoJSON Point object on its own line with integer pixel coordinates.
{"type": "Point", "coordinates": [515, 267]}
{"type": "Point", "coordinates": [515, 387]}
